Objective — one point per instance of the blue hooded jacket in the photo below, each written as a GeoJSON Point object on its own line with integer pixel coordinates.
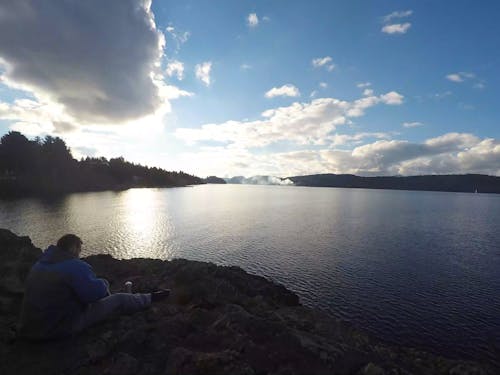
{"type": "Point", "coordinates": [58, 288]}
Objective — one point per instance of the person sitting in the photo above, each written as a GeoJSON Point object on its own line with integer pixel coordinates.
{"type": "Point", "coordinates": [63, 296]}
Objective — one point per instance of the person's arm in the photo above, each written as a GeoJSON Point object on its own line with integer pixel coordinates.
{"type": "Point", "coordinates": [86, 285]}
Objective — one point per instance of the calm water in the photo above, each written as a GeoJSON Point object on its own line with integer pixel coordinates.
{"type": "Point", "coordinates": [418, 268]}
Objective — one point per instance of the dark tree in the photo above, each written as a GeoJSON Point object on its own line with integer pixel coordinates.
{"type": "Point", "coordinates": [46, 166]}
{"type": "Point", "coordinates": [17, 153]}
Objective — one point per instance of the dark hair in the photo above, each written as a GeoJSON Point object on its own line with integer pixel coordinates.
{"type": "Point", "coordinates": [67, 241]}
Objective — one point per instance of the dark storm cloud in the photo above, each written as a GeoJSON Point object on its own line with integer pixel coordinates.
{"type": "Point", "coordinates": [96, 57]}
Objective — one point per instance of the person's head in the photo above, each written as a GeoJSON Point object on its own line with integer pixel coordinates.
{"type": "Point", "coordinates": [70, 243]}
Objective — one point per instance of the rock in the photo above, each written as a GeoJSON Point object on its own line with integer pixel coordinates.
{"type": "Point", "coordinates": [16, 257]}
{"type": "Point", "coordinates": [466, 369]}
{"type": "Point", "coordinates": [184, 361]}
{"type": "Point", "coordinates": [372, 369]}
{"type": "Point", "coordinates": [97, 350]}
{"type": "Point", "coordinates": [123, 364]}
{"type": "Point", "coordinates": [135, 337]}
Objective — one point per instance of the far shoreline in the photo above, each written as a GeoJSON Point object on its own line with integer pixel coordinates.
{"type": "Point", "coordinates": [56, 195]}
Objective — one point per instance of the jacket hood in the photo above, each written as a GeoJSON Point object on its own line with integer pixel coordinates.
{"type": "Point", "coordinates": [53, 254]}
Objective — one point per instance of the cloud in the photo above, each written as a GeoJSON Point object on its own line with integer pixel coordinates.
{"type": "Point", "coordinates": [396, 28]}
{"type": "Point", "coordinates": [99, 60]}
{"type": "Point", "coordinates": [321, 61]}
{"type": "Point", "coordinates": [62, 127]}
{"type": "Point", "coordinates": [345, 139]}
{"type": "Point", "coordinates": [397, 14]}
{"type": "Point", "coordinates": [173, 92]}
{"type": "Point", "coordinates": [367, 92]}
{"type": "Point", "coordinates": [285, 90]}
{"type": "Point", "coordinates": [203, 71]}
{"type": "Point", "coordinates": [176, 68]}
{"type": "Point", "coordinates": [414, 124]}
{"type": "Point", "coordinates": [299, 123]}
{"type": "Point", "coordinates": [323, 85]}
{"type": "Point", "coordinates": [392, 98]}
{"type": "Point", "coordinates": [245, 67]}
{"type": "Point", "coordinates": [314, 126]}
{"type": "Point", "coordinates": [252, 20]}
{"type": "Point", "coordinates": [451, 153]}
{"type": "Point", "coordinates": [459, 77]}
{"type": "Point", "coordinates": [178, 37]}
{"type": "Point", "coordinates": [34, 118]}
{"type": "Point", "coordinates": [363, 85]}
{"type": "Point", "coordinates": [454, 78]}
{"type": "Point", "coordinates": [325, 62]}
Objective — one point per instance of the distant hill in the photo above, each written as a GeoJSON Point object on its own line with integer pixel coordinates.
{"type": "Point", "coordinates": [468, 183]}
{"type": "Point", "coordinates": [214, 180]}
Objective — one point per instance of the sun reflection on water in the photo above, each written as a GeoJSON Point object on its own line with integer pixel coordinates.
{"type": "Point", "coordinates": [145, 224]}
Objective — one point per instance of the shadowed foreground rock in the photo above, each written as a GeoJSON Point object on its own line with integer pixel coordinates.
{"type": "Point", "coordinates": [219, 320]}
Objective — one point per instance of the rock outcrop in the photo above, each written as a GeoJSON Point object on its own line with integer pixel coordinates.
{"type": "Point", "coordinates": [218, 320]}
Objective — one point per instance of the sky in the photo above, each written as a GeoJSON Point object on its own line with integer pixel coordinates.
{"type": "Point", "coordinates": [270, 87]}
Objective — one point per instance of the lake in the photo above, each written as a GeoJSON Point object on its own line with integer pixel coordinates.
{"type": "Point", "coordinates": [417, 268]}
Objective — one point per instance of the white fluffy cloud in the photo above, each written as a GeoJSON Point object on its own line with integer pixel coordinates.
{"type": "Point", "coordinates": [31, 117]}
{"type": "Point", "coordinates": [325, 62]}
{"type": "Point", "coordinates": [459, 77]}
{"type": "Point", "coordinates": [396, 28]}
{"type": "Point", "coordinates": [285, 90]}
{"type": "Point", "coordinates": [203, 71]}
{"type": "Point", "coordinates": [454, 77]}
{"type": "Point", "coordinates": [392, 98]}
{"type": "Point", "coordinates": [300, 123]}
{"type": "Point", "coordinates": [447, 154]}
{"type": "Point", "coordinates": [346, 139]}
{"type": "Point", "coordinates": [173, 92]}
{"type": "Point", "coordinates": [177, 37]}
{"type": "Point", "coordinates": [252, 20]}
{"type": "Point", "coordinates": [363, 85]}
{"type": "Point", "coordinates": [413, 124]}
{"type": "Point", "coordinates": [99, 60]}
{"type": "Point", "coordinates": [175, 68]}
{"type": "Point", "coordinates": [397, 14]}
{"type": "Point", "coordinates": [313, 128]}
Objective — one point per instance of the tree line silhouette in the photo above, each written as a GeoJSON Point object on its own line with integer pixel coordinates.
{"type": "Point", "coordinates": [46, 166]}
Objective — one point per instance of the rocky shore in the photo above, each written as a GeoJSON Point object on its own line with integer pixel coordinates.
{"type": "Point", "coordinates": [218, 320]}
